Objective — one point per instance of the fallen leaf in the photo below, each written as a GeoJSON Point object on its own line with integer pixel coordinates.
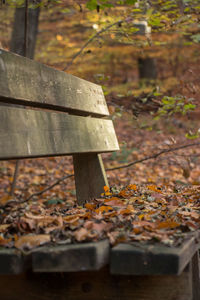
{"type": "Point", "coordinates": [132, 187]}
{"type": "Point", "coordinates": [106, 188]}
{"type": "Point", "coordinates": [28, 242]}
{"type": "Point", "coordinates": [5, 199]}
{"type": "Point", "coordinates": [154, 188]}
{"type": "Point", "coordinates": [115, 203]}
{"type": "Point", "coordinates": [90, 206]}
{"type": "Point", "coordinates": [81, 234]}
{"type": "Point", "coordinates": [103, 209]}
{"type": "Point", "coordinates": [4, 242]}
{"type": "Point", "coordinates": [167, 224]}
{"type": "Point", "coordinates": [4, 227]}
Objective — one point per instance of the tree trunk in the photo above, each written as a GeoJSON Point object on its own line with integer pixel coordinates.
{"type": "Point", "coordinates": [17, 40]}
{"type": "Point", "coordinates": [24, 46]}
{"type": "Point", "coordinates": [147, 69]}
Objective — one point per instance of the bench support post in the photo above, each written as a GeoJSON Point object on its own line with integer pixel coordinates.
{"type": "Point", "coordinates": [196, 276]}
{"type": "Point", "coordinates": [90, 176]}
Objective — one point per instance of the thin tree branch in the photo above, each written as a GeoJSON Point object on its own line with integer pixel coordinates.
{"type": "Point", "coordinates": [90, 41]}
{"type": "Point", "coordinates": [153, 156]}
{"type": "Point", "coordinates": [48, 188]}
{"type": "Point", "coordinates": [117, 168]}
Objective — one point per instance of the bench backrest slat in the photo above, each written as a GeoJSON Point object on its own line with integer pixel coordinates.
{"type": "Point", "coordinates": [26, 133]}
{"type": "Point", "coordinates": [26, 82]}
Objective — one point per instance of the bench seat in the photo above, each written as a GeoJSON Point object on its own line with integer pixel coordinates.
{"type": "Point", "coordinates": [96, 271]}
{"type": "Point", "coordinates": [124, 259]}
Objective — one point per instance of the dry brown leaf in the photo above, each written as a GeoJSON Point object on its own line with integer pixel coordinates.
{"type": "Point", "coordinates": [4, 242]}
{"type": "Point", "coordinates": [115, 202]}
{"type": "Point", "coordinates": [5, 199]}
{"type": "Point", "coordinates": [168, 224]}
{"type": "Point", "coordinates": [103, 209]}
{"type": "Point", "coordinates": [192, 214]}
{"type": "Point", "coordinates": [81, 234]}
{"type": "Point", "coordinates": [31, 241]}
{"type": "Point", "coordinates": [4, 227]}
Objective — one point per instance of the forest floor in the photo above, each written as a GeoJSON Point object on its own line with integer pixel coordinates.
{"type": "Point", "coordinates": [167, 184]}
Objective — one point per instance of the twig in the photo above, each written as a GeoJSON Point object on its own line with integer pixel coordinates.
{"type": "Point", "coordinates": [153, 156]}
{"type": "Point", "coordinates": [48, 188]}
{"type": "Point", "coordinates": [90, 41]}
{"type": "Point", "coordinates": [116, 168]}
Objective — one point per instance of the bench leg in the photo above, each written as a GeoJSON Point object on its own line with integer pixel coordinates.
{"type": "Point", "coordinates": [90, 176]}
{"type": "Point", "coordinates": [196, 276]}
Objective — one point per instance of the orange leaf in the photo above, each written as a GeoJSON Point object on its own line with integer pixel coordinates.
{"type": "Point", "coordinates": [108, 194]}
{"type": "Point", "coordinates": [103, 209]}
{"type": "Point", "coordinates": [4, 242]}
{"type": "Point", "coordinates": [125, 211]}
{"type": "Point", "coordinates": [137, 230]}
{"type": "Point", "coordinates": [132, 187]}
{"type": "Point", "coordinates": [154, 188]}
{"type": "Point", "coordinates": [106, 188]}
{"type": "Point", "coordinates": [110, 214]}
{"type": "Point", "coordinates": [141, 217]}
{"type": "Point", "coordinates": [5, 199]}
{"type": "Point", "coordinates": [90, 206]}
{"type": "Point", "coordinates": [167, 224]}
{"type": "Point", "coordinates": [123, 194]}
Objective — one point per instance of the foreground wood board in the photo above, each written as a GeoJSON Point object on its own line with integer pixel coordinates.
{"type": "Point", "coordinates": [95, 286]}
{"type": "Point", "coordinates": [26, 133]}
{"type": "Point", "coordinates": [195, 267]}
{"type": "Point", "coordinates": [71, 258]}
{"type": "Point", "coordinates": [11, 261]}
{"type": "Point", "coordinates": [60, 258]}
{"type": "Point", "coordinates": [138, 259]}
{"type": "Point", "coordinates": [24, 81]}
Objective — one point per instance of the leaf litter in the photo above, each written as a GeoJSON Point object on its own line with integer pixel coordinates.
{"type": "Point", "coordinates": [135, 213]}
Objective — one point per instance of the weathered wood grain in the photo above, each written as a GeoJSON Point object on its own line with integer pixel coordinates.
{"type": "Point", "coordinates": [30, 133]}
{"type": "Point", "coordinates": [139, 259]}
{"type": "Point", "coordinates": [11, 262]}
{"type": "Point", "coordinates": [94, 285]}
{"type": "Point", "coordinates": [90, 176]}
{"type": "Point", "coordinates": [71, 258]}
{"type": "Point", "coordinates": [26, 82]}
{"type": "Point", "coordinates": [195, 267]}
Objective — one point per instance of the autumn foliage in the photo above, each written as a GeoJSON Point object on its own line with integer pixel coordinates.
{"type": "Point", "coordinates": [145, 213]}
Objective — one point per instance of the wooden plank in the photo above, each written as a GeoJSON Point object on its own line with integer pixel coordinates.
{"type": "Point", "coordinates": [90, 176]}
{"type": "Point", "coordinates": [195, 266]}
{"type": "Point", "coordinates": [30, 133]}
{"type": "Point", "coordinates": [71, 258]}
{"type": "Point", "coordinates": [94, 286]}
{"type": "Point", "coordinates": [138, 259]}
{"type": "Point", "coordinates": [11, 261]}
{"type": "Point", "coordinates": [26, 82]}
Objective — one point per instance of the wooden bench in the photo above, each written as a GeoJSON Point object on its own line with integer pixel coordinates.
{"type": "Point", "coordinates": [45, 112]}
{"type": "Point", "coordinates": [63, 115]}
